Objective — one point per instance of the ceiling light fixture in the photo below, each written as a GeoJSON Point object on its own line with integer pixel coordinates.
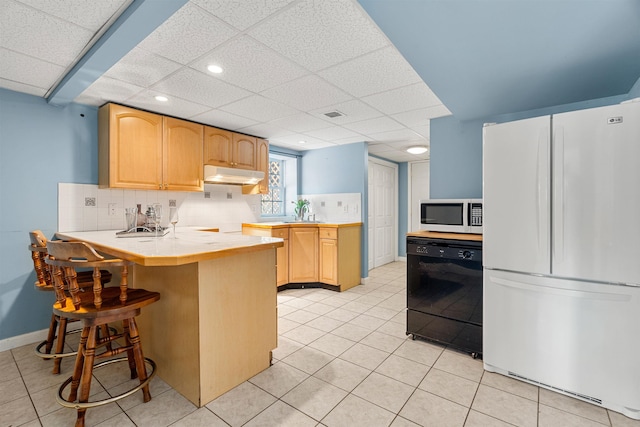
{"type": "Point", "coordinates": [215, 69]}
{"type": "Point", "coordinates": [302, 141]}
{"type": "Point", "coordinates": [418, 149]}
{"type": "Point", "coordinates": [161, 98]}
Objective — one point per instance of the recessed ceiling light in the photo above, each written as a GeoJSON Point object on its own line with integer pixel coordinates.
{"type": "Point", "coordinates": [215, 69]}
{"type": "Point", "coordinates": [418, 149]}
{"type": "Point", "coordinates": [302, 141]}
{"type": "Point", "coordinates": [161, 98]}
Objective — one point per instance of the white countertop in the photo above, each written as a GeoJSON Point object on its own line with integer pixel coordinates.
{"type": "Point", "coordinates": [192, 245]}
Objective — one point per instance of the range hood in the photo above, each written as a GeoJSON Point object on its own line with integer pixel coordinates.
{"type": "Point", "coordinates": [220, 175]}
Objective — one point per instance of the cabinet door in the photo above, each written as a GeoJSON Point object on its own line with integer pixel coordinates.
{"type": "Point", "coordinates": [182, 155]}
{"type": "Point", "coordinates": [262, 159]}
{"type": "Point", "coordinates": [217, 145]}
{"type": "Point", "coordinates": [328, 261]}
{"type": "Point", "coordinates": [303, 255]}
{"type": "Point", "coordinates": [262, 164]}
{"type": "Point", "coordinates": [244, 152]}
{"type": "Point", "coordinates": [130, 148]}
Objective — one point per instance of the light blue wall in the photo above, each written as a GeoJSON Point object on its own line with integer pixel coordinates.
{"type": "Point", "coordinates": [456, 148]}
{"type": "Point", "coordinates": [40, 145]}
{"type": "Point", "coordinates": [341, 169]}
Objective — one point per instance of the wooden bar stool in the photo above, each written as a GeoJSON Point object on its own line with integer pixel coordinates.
{"type": "Point", "coordinates": [103, 305]}
{"type": "Point", "coordinates": [44, 282]}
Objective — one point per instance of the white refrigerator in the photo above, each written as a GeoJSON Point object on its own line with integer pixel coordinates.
{"type": "Point", "coordinates": [561, 253]}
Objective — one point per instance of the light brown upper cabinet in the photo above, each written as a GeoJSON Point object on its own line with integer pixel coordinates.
{"type": "Point", "coordinates": [229, 149]}
{"type": "Point", "coordinates": [182, 154]}
{"type": "Point", "coordinates": [146, 151]}
{"type": "Point", "coordinates": [262, 164]}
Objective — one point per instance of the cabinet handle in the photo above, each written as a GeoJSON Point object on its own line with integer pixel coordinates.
{"type": "Point", "coordinates": [159, 186]}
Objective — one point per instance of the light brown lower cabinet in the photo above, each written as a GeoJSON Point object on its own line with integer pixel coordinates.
{"type": "Point", "coordinates": [303, 254]}
{"type": "Point", "coordinates": [323, 253]}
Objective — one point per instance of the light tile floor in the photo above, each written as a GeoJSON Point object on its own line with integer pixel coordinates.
{"type": "Point", "coordinates": [343, 360]}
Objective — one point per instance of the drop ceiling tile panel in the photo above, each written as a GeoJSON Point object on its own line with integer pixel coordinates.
{"type": "Point", "coordinates": [27, 70]}
{"type": "Point", "coordinates": [88, 14]}
{"type": "Point", "coordinates": [142, 68]}
{"type": "Point", "coordinates": [377, 147]}
{"type": "Point", "coordinates": [300, 123]}
{"type": "Point", "coordinates": [21, 87]}
{"type": "Point", "coordinates": [295, 138]}
{"type": "Point", "coordinates": [250, 65]}
{"type": "Point", "coordinates": [354, 111]}
{"type": "Point", "coordinates": [40, 35]}
{"type": "Point", "coordinates": [222, 119]}
{"type": "Point", "coordinates": [396, 135]}
{"type": "Point", "coordinates": [106, 90]}
{"type": "Point", "coordinates": [319, 34]}
{"type": "Point", "coordinates": [187, 34]}
{"type": "Point", "coordinates": [425, 131]}
{"type": "Point", "coordinates": [359, 138]}
{"type": "Point", "coordinates": [333, 133]}
{"type": "Point", "coordinates": [173, 107]}
{"type": "Point", "coordinates": [373, 126]}
{"type": "Point", "coordinates": [403, 99]}
{"type": "Point", "coordinates": [200, 88]}
{"type": "Point", "coordinates": [241, 13]}
{"type": "Point", "coordinates": [307, 93]}
{"type": "Point", "coordinates": [260, 109]}
{"type": "Point", "coordinates": [411, 118]}
{"type": "Point", "coordinates": [265, 130]}
{"type": "Point", "coordinates": [372, 73]}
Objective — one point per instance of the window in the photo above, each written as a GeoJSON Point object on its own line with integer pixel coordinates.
{"type": "Point", "coordinates": [283, 186]}
{"type": "Point", "coordinates": [273, 202]}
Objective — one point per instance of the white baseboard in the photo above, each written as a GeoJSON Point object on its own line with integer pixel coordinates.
{"type": "Point", "coordinates": [364, 280]}
{"type": "Point", "coordinates": [401, 259]}
{"type": "Point", "coordinates": [25, 339]}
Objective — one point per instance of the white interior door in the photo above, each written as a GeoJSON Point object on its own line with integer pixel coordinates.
{"type": "Point", "coordinates": [418, 190]}
{"type": "Point", "coordinates": [382, 212]}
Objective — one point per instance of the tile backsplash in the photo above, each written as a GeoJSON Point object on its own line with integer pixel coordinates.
{"type": "Point", "coordinates": [85, 207]}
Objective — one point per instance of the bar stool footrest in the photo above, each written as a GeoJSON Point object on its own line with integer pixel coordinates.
{"type": "Point", "coordinates": [84, 405]}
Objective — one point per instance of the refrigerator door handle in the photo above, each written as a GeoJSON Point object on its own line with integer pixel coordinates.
{"type": "Point", "coordinates": [558, 199]}
{"type": "Point", "coordinates": [542, 190]}
{"type": "Point", "coordinates": [590, 295]}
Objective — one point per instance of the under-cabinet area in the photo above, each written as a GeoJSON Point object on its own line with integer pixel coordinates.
{"type": "Point", "coordinates": [328, 254]}
{"type": "Point", "coordinates": [147, 151]}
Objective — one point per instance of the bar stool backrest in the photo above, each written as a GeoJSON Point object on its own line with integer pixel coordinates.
{"type": "Point", "coordinates": [66, 257]}
{"type": "Point", "coordinates": [38, 250]}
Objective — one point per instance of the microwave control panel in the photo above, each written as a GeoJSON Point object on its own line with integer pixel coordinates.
{"type": "Point", "coordinates": [475, 214]}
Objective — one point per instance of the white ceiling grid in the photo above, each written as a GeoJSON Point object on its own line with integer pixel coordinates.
{"type": "Point", "coordinates": [286, 63]}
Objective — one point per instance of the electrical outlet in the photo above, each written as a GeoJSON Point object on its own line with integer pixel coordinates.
{"type": "Point", "coordinates": [112, 209]}
{"type": "Point", "coordinates": [339, 203]}
{"type": "Point", "coordinates": [229, 195]}
{"type": "Point", "coordinates": [172, 203]}
{"type": "Point", "coordinates": [89, 201]}
{"type": "Point", "coordinates": [207, 194]}
{"type": "Point", "coordinates": [322, 204]}
{"type": "Point", "coordinates": [346, 208]}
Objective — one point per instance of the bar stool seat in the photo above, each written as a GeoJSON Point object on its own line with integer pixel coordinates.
{"type": "Point", "coordinates": [94, 309]}
{"type": "Point", "coordinates": [44, 282]}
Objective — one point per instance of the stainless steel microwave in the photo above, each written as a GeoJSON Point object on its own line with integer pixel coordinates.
{"type": "Point", "coordinates": [451, 215]}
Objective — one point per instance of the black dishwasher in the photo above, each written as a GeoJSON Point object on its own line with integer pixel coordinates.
{"type": "Point", "coordinates": [444, 292]}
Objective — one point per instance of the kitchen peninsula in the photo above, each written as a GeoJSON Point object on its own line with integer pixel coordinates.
{"type": "Point", "coordinates": [215, 324]}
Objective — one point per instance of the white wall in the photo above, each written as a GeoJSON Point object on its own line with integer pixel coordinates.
{"type": "Point", "coordinates": [225, 208]}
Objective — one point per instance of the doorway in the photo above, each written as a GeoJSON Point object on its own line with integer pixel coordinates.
{"type": "Point", "coordinates": [383, 212]}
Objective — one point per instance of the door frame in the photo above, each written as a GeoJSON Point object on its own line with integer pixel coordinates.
{"type": "Point", "coordinates": [394, 238]}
